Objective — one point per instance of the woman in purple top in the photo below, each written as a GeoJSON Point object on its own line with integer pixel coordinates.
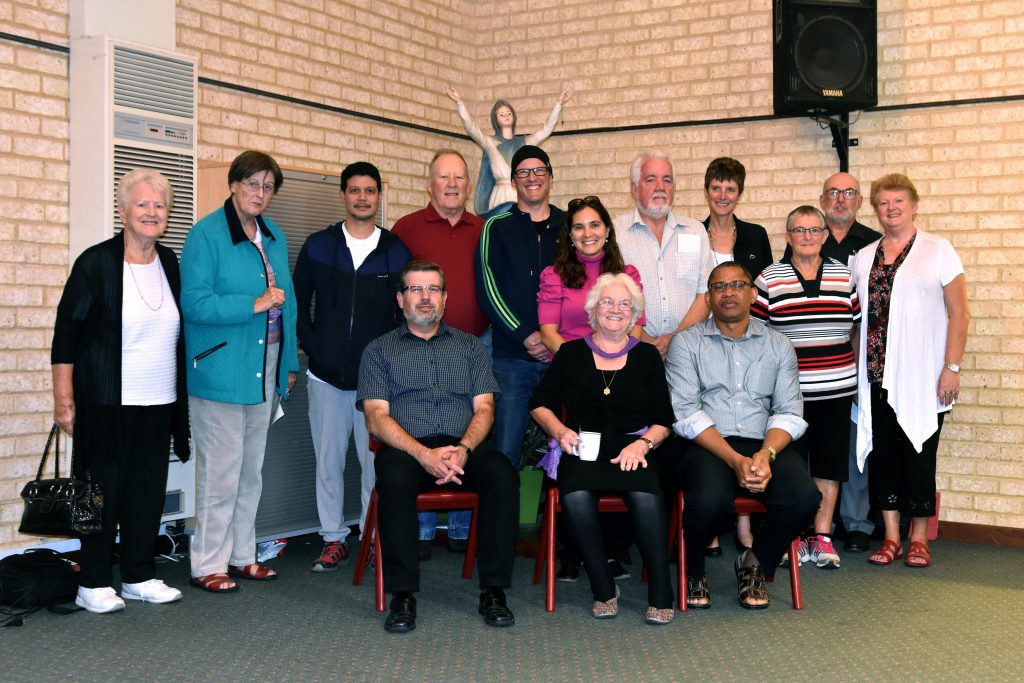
{"type": "Point", "coordinates": [586, 249]}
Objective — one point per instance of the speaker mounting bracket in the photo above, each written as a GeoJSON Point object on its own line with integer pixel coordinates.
{"type": "Point", "coordinates": [840, 128]}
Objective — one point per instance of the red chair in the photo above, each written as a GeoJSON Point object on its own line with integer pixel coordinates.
{"type": "Point", "coordinates": [546, 548]}
{"type": "Point", "coordinates": [442, 499]}
{"type": "Point", "coordinates": [744, 506]}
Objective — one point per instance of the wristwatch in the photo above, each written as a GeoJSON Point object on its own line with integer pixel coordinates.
{"type": "Point", "coordinates": [771, 452]}
{"type": "Point", "coordinates": [952, 367]}
{"type": "Point", "coordinates": [469, 451]}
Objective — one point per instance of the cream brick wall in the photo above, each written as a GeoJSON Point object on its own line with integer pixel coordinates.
{"type": "Point", "coordinates": [632, 62]}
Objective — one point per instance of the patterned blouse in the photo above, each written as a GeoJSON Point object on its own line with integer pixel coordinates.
{"type": "Point", "coordinates": [879, 295]}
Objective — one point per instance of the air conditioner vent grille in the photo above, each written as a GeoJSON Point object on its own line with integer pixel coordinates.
{"type": "Point", "coordinates": [154, 83]}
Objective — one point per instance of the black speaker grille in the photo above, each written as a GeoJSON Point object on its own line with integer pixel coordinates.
{"type": "Point", "coordinates": [830, 54]}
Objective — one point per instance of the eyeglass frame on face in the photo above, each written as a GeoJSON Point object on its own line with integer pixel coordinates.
{"type": "Point", "coordinates": [800, 231]}
{"type": "Point", "coordinates": [524, 173]}
{"type": "Point", "coordinates": [607, 303]}
{"type": "Point", "coordinates": [255, 186]}
{"type": "Point", "coordinates": [735, 285]}
{"type": "Point", "coordinates": [418, 290]}
{"type": "Point", "coordinates": [848, 193]}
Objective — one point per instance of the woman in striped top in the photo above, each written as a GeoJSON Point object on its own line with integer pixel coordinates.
{"type": "Point", "coordinates": [812, 301]}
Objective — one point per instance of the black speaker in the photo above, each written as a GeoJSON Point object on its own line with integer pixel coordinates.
{"type": "Point", "coordinates": [825, 56]}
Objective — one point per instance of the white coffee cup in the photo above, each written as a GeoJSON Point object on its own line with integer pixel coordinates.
{"type": "Point", "coordinates": [588, 446]}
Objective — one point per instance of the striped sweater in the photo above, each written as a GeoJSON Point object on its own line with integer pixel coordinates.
{"type": "Point", "coordinates": [817, 317]}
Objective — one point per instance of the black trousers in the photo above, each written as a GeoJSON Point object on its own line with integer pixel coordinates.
{"type": "Point", "coordinates": [711, 488]}
{"type": "Point", "coordinates": [400, 478]}
{"type": "Point", "coordinates": [127, 451]}
{"type": "Point", "coordinates": [898, 476]}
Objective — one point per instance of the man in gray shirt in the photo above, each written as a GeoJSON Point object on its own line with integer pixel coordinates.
{"type": "Point", "coordinates": [736, 395]}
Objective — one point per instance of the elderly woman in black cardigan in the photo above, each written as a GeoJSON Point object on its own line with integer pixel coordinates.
{"type": "Point", "coordinates": [118, 365]}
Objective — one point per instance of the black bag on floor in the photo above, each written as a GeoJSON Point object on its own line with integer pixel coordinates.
{"type": "Point", "coordinates": [37, 578]}
{"type": "Point", "coordinates": [60, 506]}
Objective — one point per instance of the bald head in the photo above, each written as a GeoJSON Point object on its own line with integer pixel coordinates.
{"type": "Point", "coordinates": [840, 210]}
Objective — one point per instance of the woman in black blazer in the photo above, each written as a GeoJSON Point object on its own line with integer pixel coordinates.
{"type": "Point", "coordinates": [732, 239]}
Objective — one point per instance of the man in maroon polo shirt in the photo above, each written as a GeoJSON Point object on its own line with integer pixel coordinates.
{"type": "Point", "coordinates": [445, 233]}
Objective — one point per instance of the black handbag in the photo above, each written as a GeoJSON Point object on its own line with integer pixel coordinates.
{"type": "Point", "coordinates": [62, 506]}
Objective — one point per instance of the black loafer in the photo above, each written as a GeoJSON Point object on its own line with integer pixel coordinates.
{"type": "Point", "coordinates": [569, 572]}
{"type": "Point", "coordinates": [494, 610]}
{"type": "Point", "coordinates": [857, 542]}
{"type": "Point", "coordinates": [402, 617]}
{"type": "Point", "coordinates": [458, 545]}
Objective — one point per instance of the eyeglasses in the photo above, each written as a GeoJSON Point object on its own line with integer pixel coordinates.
{"type": "Point", "coordinates": [814, 232]}
{"type": "Point", "coordinates": [588, 200]}
{"type": "Point", "coordinates": [738, 285]}
{"type": "Point", "coordinates": [624, 305]}
{"type": "Point", "coordinates": [834, 192]}
{"type": "Point", "coordinates": [540, 172]}
{"type": "Point", "coordinates": [255, 186]}
{"type": "Point", "coordinates": [419, 289]}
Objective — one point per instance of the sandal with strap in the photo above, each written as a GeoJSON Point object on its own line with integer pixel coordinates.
{"type": "Point", "coordinates": [214, 583]}
{"type": "Point", "coordinates": [750, 584]}
{"type": "Point", "coordinates": [698, 595]}
{"type": "Point", "coordinates": [887, 554]}
{"type": "Point", "coordinates": [919, 556]}
{"type": "Point", "coordinates": [253, 572]}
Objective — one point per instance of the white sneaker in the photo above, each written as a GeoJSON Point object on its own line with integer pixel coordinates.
{"type": "Point", "coordinates": [154, 590]}
{"type": "Point", "coordinates": [99, 600]}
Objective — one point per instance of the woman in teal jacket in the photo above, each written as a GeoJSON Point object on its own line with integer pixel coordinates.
{"type": "Point", "coordinates": [240, 348]}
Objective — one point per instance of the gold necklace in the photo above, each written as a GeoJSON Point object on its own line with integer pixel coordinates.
{"type": "Point", "coordinates": [607, 383]}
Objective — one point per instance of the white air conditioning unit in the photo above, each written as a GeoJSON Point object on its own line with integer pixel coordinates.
{"type": "Point", "coordinates": [132, 107]}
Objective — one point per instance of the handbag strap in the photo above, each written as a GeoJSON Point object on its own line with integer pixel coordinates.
{"type": "Point", "coordinates": [54, 433]}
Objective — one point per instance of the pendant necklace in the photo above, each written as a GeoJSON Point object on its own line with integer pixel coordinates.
{"type": "Point", "coordinates": [139, 289]}
{"type": "Point", "coordinates": [608, 383]}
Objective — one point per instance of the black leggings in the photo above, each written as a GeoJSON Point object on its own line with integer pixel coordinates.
{"type": "Point", "coordinates": [650, 528]}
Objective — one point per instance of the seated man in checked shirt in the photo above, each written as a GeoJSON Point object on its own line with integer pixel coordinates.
{"type": "Point", "coordinates": [736, 395]}
{"type": "Point", "coordinates": [428, 394]}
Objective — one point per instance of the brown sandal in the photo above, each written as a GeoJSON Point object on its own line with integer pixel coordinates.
{"type": "Point", "coordinates": [887, 554]}
{"type": "Point", "coordinates": [698, 596]}
{"type": "Point", "coordinates": [253, 572]}
{"type": "Point", "coordinates": [215, 583]}
{"type": "Point", "coordinates": [750, 585]}
{"type": "Point", "coordinates": [919, 556]}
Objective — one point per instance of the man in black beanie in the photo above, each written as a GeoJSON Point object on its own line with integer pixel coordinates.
{"type": "Point", "coordinates": [515, 246]}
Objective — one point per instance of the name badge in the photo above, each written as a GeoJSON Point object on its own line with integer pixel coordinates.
{"type": "Point", "coordinates": [688, 244]}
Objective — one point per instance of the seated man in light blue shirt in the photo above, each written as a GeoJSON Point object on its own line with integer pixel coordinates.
{"type": "Point", "coordinates": [736, 396]}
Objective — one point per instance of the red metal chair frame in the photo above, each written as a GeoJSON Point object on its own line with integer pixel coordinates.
{"type": "Point", "coordinates": [442, 499]}
{"type": "Point", "coordinates": [744, 505]}
{"type": "Point", "coordinates": [545, 561]}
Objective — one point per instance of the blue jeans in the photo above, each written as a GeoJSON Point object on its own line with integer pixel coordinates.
{"type": "Point", "coordinates": [458, 524]}
{"type": "Point", "coordinates": [517, 379]}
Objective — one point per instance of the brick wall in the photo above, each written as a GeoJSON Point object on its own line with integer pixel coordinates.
{"type": "Point", "coordinates": [634, 62]}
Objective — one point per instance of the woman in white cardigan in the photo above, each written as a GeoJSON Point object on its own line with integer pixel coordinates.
{"type": "Point", "coordinates": [911, 343]}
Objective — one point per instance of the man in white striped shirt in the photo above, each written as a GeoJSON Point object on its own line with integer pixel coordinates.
{"type": "Point", "coordinates": [671, 252]}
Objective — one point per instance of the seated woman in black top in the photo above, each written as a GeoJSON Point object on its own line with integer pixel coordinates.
{"type": "Point", "coordinates": [612, 385]}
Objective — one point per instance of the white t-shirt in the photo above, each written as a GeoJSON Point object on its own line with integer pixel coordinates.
{"type": "Point", "coordinates": [149, 336]}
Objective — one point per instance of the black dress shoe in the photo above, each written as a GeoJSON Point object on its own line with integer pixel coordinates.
{"type": "Point", "coordinates": [493, 608]}
{"type": "Point", "coordinates": [426, 550]}
{"type": "Point", "coordinates": [857, 542]}
{"type": "Point", "coordinates": [458, 545]}
{"type": "Point", "coordinates": [713, 551]}
{"type": "Point", "coordinates": [402, 617]}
